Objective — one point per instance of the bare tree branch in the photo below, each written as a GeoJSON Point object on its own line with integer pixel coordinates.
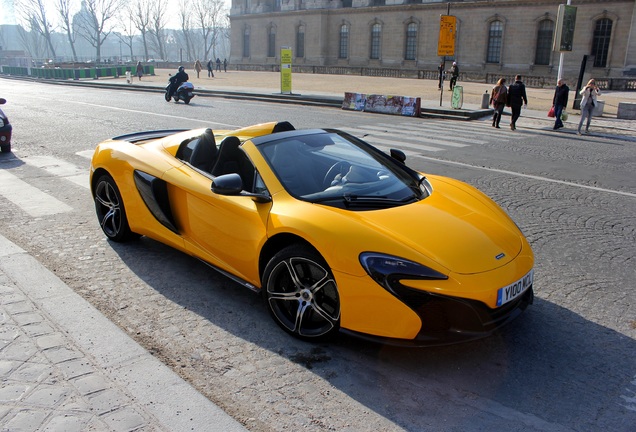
{"type": "Point", "coordinates": [64, 9]}
{"type": "Point", "coordinates": [93, 21]}
{"type": "Point", "coordinates": [34, 16]}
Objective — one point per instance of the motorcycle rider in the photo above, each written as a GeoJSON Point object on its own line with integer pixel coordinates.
{"type": "Point", "coordinates": [179, 78]}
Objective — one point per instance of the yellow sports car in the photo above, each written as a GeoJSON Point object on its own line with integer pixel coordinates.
{"type": "Point", "coordinates": [335, 234]}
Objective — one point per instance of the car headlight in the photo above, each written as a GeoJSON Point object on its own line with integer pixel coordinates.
{"type": "Point", "coordinates": [2, 122]}
{"type": "Point", "coordinates": [388, 270]}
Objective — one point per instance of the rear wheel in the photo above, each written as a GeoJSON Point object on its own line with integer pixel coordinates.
{"type": "Point", "coordinates": [301, 293]}
{"type": "Point", "coordinates": [110, 210]}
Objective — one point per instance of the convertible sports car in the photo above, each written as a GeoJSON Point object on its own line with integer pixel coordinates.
{"type": "Point", "coordinates": [336, 234]}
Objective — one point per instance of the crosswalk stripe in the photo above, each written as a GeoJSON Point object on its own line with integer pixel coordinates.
{"type": "Point", "coordinates": [445, 143]}
{"type": "Point", "coordinates": [427, 131]}
{"type": "Point", "coordinates": [30, 199]}
{"type": "Point", "coordinates": [395, 143]}
{"type": "Point", "coordinates": [88, 154]}
{"type": "Point", "coordinates": [60, 168]}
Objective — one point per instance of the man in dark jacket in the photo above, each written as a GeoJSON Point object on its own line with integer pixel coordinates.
{"type": "Point", "coordinates": [516, 98]}
{"type": "Point", "coordinates": [560, 101]}
{"type": "Point", "coordinates": [177, 79]}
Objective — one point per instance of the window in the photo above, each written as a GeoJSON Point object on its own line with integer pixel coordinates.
{"type": "Point", "coordinates": [376, 36]}
{"type": "Point", "coordinates": [410, 49]}
{"type": "Point", "coordinates": [271, 42]}
{"type": "Point", "coordinates": [246, 42]}
{"type": "Point", "coordinates": [300, 41]}
{"type": "Point", "coordinates": [495, 39]}
{"type": "Point", "coordinates": [344, 42]}
{"type": "Point", "coordinates": [544, 42]}
{"type": "Point", "coordinates": [601, 41]}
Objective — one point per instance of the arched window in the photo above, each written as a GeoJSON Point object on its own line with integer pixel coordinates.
{"type": "Point", "coordinates": [271, 41]}
{"type": "Point", "coordinates": [246, 42]}
{"type": "Point", "coordinates": [544, 42]}
{"type": "Point", "coordinates": [300, 41]}
{"type": "Point", "coordinates": [410, 47]}
{"type": "Point", "coordinates": [343, 53]}
{"type": "Point", "coordinates": [495, 41]}
{"type": "Point", "coordinates": [601, 41]}
{"type": "Point", "coordinates": [376, 38]}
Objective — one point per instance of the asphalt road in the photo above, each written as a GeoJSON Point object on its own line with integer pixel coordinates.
{"type": "Point", "coordinates": [568, 363]}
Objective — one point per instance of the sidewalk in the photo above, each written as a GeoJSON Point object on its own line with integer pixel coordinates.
{"type": "Point", "coordinates": [66, 367]}
{"type": "Point", "coordinates": [306, 85]}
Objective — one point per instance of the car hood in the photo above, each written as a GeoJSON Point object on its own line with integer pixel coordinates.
{"type": "Point", "coordinates": [462, 231]}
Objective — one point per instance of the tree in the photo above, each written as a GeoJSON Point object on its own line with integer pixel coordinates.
{"type": "Point", "coordinates": [158, 25]}
{"type": "Point", "coordinates": [127, 32]}
{"type": "Point", "coordinates": [140, 15]}
{"type": "Point", "coordinates": [64, 9]}
{"type": "Point", "coordinates": [34, 16]}
{"type": "Point", "coordinates": [209, 15]}
{"type": "Point", "coordinates": [186, 27]}
{"type": "Point", "coordinates": [92, 21]}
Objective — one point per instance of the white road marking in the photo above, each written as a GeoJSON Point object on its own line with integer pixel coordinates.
{"type": "Point", "coordinates": [392, 142]}
{"type": "Point", "coordinates": [60, 168]}
{"type": "Point", "coordinates": [530, 176]}
{"type": "Point", "coordinates": [30, 199]}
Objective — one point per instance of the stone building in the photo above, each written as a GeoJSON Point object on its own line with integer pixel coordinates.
{"type": "Point", "coordinates": [498, 37]}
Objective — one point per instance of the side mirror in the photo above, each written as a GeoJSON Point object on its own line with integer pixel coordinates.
{"type": "Point", "coordinates": [232, 185]}
{"type": "Point", "coordinates": [398, 155]}
{"type": "Point", "coordinates": [3, 101]}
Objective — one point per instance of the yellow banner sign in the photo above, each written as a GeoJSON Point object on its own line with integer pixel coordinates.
{"type": "Point", "coordinates": [285, 70]}
{"type": "Point", "coordinates": [447, 29]}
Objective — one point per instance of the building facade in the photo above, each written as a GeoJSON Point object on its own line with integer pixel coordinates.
{"type": "Point", "coordinates": [492, 36]}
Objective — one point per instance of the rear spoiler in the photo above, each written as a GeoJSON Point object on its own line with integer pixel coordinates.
{"type": "Point", "coordinates": [148, 135]}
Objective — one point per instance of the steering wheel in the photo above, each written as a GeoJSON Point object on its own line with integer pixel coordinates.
{"type": "Point", "coordinates": [340, 167]}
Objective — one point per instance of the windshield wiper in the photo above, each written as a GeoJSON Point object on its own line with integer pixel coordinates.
{"type": "Point", "coordinates": [375, 201]}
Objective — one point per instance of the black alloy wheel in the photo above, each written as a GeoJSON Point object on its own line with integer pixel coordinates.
{"type": "Point", "coordinates": [301, 293]}
{"type": "Point", "coordinates": [110, 210]}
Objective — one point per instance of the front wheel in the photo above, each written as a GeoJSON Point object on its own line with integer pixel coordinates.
{"type": "Point", "coordinates": [5, 148]}
{"type": "Point", "coordinates": [110, 210]}
{"type": "Point", "coordinates": [301, 293]}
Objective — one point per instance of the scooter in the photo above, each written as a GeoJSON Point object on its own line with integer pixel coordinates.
{"type": "Point", "coordinates": [5, 130]}
{"type": "Point", "coordinates": [184, 92]}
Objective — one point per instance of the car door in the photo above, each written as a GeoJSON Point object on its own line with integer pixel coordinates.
{"type": "Point", "coordinates": [225, 231]}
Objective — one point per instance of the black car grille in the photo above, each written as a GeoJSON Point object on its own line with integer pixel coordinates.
{"type": "Point", "coordinates": [445, 317]}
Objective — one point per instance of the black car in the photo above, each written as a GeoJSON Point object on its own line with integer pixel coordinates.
{"type": "Point", "coordinates": [5, 130]}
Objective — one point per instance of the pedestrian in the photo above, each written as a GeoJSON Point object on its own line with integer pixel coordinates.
{"type": "Point", "coordinates": [559, 102]}
{"type": "Point", "coordinates": [198, 67]}
{"type": "Point", "coordinates": [516, 98]}
{"type": "Point", "coordinates": [590, 95]}
{"type": "Point", "coordinates": [218, 64]}
{"type": "Point", "coordinates": [139, 71]}
{"type": "Point", "coordinates": [210, 67]}
{"type": "Point", "coordinates": [225, 64]}
{"type": "Point", "coordinates": [454, 71]}
{"type": "Point", "coordinates": [498, 98]}
{"type": "Point", "coordinates": [440, 69]}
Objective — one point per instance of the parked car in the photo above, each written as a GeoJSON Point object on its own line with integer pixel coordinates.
{"type": "Point", "coordinates": [335, 234]}
{"type": "Point", "coordinates": [5, 130]}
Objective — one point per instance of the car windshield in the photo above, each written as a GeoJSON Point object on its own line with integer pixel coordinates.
{"type": "Point", "coordinates": [334, 168]}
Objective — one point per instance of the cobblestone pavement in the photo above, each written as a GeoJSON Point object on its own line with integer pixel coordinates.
{"type": "Point", "coordinates": [65, 367]}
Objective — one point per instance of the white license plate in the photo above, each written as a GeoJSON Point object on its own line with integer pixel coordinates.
{"type": "Point", "coordinates": [515, 289]}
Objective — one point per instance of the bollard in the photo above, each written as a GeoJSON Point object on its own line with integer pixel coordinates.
{"type": "Point", "coordinates": [484, 100]}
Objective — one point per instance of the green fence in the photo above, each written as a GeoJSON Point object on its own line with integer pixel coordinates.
{"type": "Point", "coordinates": [76, 74]}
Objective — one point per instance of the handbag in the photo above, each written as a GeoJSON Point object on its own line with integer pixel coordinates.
{"type": "Point", "coordinates": [564, 115]}
{"type": "Point", "coordinates": [551, 112]}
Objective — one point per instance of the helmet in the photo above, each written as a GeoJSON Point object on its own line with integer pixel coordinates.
{"type": "Point", "coordinates": [180, 68]}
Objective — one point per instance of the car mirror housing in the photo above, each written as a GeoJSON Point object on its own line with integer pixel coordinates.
{"type": "Point", "coordinates": [398, 155]}
{"type": "Point", "coordinates": [231, 184]}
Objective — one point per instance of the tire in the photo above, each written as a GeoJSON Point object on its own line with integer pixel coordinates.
{"type": "Point", "coordinates": [301, 294]}
{"type": "Point", "coordinates": [5, 148]}
{"type": "Point", "coordinates": [187, 101]}
{"type": "Point", "coordinates": [110, 210]}
{"type": "Point", "coordinates": [167, 97]}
